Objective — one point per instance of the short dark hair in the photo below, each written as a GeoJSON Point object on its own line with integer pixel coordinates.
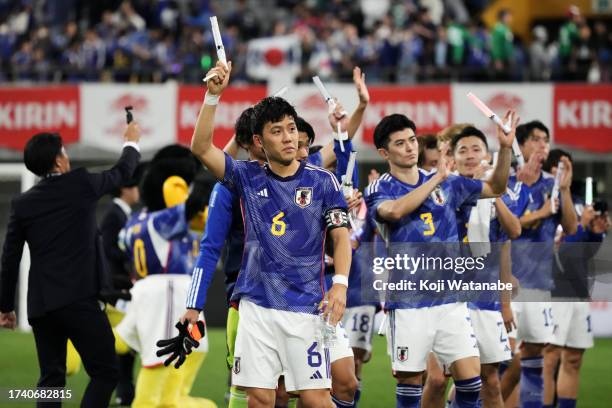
{"type": "Point", "coordinates": [314, 149]}
{"type": "Point", "coordinates": [468, 131]}
{"type": "Point", "coordinates": [242, 128]}
{"type": "Point", "coordinates": [271, 109]}
{"type": "Point", "coordinates": [554, 157]}
{"type": "Point", "coordinates": [303, 126]}
{"type": "Point", "coordinates": [391, 124]}
{"type": "Point", "coordinates": [40, 152]}
{"type": "Point", "coordinates": [524, 131]}
{"type": "Point", "coordinates": [428, 141]}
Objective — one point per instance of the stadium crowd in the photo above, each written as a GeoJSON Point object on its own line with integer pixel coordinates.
{"type": "Point", "coordinates": [394, 41]}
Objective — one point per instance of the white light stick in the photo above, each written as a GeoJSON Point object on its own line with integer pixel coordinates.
{"type": "Point", "coordinates": [209, 76]}
{"type": "Point", "coordinates": [588, 200]}
{"type": "Point", "coordinates": [347, 185]}
{"type": "Point", "coordinates": [506, 127]}
{"type": "Point", "coordinates": [326, 95]}
{"type": "Point", "coordinates": [383, 326]}
{"type": "Point", "coordinates": [331, 103]}
{"type": "Point", "coordinates": [347, 180]}
{"type": "Point", "coordinates": [555, 191]}
{"type": "Point", "coordinates": [281, 92]}
{"type": "Point", "coordinates": [218, 42]}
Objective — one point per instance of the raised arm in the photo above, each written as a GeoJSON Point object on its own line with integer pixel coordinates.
{"type": "Point", "coordinates": [351, 125]}
{"type": "Point", "coordinates": [364, 99]}
{"type": "Point", "coordinates": [496, 185]}
{"type": "Point", "coordinates": [201, 142]}
{"type": "Point", "coordinates": [569, 219]}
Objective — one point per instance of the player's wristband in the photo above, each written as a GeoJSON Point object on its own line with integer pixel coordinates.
{"type": "Point", "coordinates": [340, 280]}
{"type": "Point", "coordinates": [341, 136]}
{"type": "Point", "coordinates": [210, 99]}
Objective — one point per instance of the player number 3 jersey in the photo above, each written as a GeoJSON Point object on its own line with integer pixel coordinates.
{"type": "Point", "coordinates": [286, 220]}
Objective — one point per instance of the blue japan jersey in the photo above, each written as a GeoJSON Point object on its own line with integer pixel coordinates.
{"type": "Point", "coordinates": [532, 263]}
{"type": "Point", "coordinates": [435, 220]}
{"type": "Point", "coordinates": [285, 228]}
{"type": "Point", "coordinates": [160, 242]}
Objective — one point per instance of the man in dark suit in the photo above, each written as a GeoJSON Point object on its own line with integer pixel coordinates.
{"type": "Point", "coordinates": [124, 198]}
{"type": "Point", "coordinates": [56, 218]}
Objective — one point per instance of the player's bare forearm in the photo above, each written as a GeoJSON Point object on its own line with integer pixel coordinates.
{"type": "Point", "coordinates": [232, 148]}
{"type": "Point", "coordinates": [508, 221]}
{"type": "Point", "coordinates": [355, 119]}
{"type": "Point", "coordinates": [201, 142]}
{"type": "Point", "coordinates": [496, 185]}
{"type": "Point", "coordinates": [395, 210]}
{"type": "Point", "coordinates": [328, 156]}
{"type": "Point", "coordinates": [528, 220]}
{"type": "Point", "coordinates": [342, 250]}
{"type": "Point", "coordinates": [569, 219]}
{"type": "Point", "coordinates": [505, 269]}
{"type": "Point", "coordinates": [336, 297]}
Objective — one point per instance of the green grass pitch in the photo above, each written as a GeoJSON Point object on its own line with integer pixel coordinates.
{"type": "Point", "coordinates": [18, 368]}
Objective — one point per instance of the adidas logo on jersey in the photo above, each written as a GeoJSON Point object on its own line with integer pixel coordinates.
{"type": "Point", "coordinates": [263, 193]}
{"type": "Point", "coordinates": [316, 376]}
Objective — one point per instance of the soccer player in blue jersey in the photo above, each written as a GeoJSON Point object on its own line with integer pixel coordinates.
{"type": "Point", "coordinates": [490, 325]}
{"type": "Point", "coordinates": [289, 207]}
{"type": "Point", "coordinates": [415, 206]}
{"type": "Point", "coordinates": [570, 307]}
{"type": "Point", "coordinates": [532, 255]}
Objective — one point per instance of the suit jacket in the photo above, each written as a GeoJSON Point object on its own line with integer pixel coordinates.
{"type": "Point", "coordinates": [118, 261]}
{"type": "Point", "coordinates": [57, 219]}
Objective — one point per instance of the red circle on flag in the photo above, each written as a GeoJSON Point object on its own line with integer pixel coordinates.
{"type": "Point", "coordinates": [274, 56]}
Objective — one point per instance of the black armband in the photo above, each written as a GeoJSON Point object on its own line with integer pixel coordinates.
{"type": "Point", "coordinates": [336, 218]}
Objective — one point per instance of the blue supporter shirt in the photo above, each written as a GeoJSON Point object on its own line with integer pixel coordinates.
{"type": "Point", "coordinates": [532, 263]}
{"type": "Point", "coordinates": [285, 228]}
{"type": "Point", "coordinates": [160, 242]}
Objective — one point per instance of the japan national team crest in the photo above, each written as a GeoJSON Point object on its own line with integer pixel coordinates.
{"type": "Point", "coordinates": [402, 353]}
{"type": "Point", "coordinates": [303, 196]}
{"type": "Point", "coordinates": [236, 365]}
{"type": "Point", "coordinates": [438, 196]}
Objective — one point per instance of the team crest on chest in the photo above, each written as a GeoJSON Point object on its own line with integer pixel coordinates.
{"type": "Point", "coordinates": [438, 196]}
{"type": "Point", "coordinates": [303, 196]}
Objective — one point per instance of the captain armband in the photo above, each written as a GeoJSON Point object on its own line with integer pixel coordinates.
{"type": "Point", "coordinates": [336, 218]}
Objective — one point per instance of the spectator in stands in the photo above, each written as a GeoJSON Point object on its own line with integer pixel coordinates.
{"type": "Point", "coordinates": [568, 39]}
{"type": "Point", "coordinates": [539, 56]}
{"type": "Point", "coordinates": [502, 49]}
{"type": "Point", "coordinates": [602, 45]}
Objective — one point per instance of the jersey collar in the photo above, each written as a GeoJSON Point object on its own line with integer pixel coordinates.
{"type": "Point", "coordinates": [297, 174]}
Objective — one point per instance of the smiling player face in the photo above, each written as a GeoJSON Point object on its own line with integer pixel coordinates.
{"type": "Point", "coordinates": [469, 152]}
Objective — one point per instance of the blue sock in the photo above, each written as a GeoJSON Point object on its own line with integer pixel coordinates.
{"type": "Point", "coordinates": [342, 404]}
{"type": "Point", "coordinates": [531, 383]}
{"type": "Point", "coordinates": [566, 403]}
{"type": "Point", "coordinates": [357, 394]}
{"type": "Point", "coordinates": [408, 395]}
{"type": "Point", "coordinates": [467, 393]}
